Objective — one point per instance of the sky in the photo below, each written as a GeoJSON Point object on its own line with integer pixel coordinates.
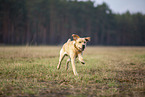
{"type": "Point", "coordinates": [121, 6]}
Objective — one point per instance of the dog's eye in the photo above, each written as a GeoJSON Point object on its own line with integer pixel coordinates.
{"type": "Point", "coordinates": [80, 42]}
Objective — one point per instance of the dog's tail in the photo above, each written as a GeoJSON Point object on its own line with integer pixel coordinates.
{"type": "Point", "coordinates": [68, 40]}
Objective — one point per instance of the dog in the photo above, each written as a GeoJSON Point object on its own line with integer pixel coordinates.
{"type": "Point", "coordinates": [73, 49]}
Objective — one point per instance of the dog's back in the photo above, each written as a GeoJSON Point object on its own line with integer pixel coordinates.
{"type": "Point", "coordinates": [68, 46]}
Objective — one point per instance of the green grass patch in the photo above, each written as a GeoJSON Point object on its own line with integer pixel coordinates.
{"type": "Point", "coordinates": [109, 71]}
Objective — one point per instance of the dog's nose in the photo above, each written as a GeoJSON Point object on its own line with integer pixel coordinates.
{"type": "Point", "coordinates": [83, 47]}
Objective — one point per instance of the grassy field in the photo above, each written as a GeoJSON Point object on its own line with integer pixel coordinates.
{"type": "Point", "coordinates": [109, 71]}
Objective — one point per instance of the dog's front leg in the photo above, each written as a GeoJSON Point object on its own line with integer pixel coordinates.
{"type": "Point", "coordinates": [72, 56]}
{"type": "Point", "coordinates": [81, 58]}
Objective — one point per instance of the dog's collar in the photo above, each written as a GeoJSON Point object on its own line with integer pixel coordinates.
{"type": "Point", "coordinates": [76, 47]}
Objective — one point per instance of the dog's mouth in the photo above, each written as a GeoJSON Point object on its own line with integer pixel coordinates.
{"type": "Point", "coordinates": [82, 49]}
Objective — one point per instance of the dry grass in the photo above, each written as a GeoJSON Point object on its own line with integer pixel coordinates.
{"type": "Point", "coordinates": [109, 71]}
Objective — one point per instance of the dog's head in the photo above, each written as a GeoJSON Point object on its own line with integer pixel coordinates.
{"type": "Point", "coordinates": [80, 43]}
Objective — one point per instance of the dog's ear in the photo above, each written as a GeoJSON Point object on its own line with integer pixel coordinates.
{"type": "Point", "coordinates": [88, 39]}
{"type": "Point", "coordinates": [75, 37]}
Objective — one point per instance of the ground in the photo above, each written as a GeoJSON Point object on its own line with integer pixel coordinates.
{"type": "Point", "coordinates": [109, 71]}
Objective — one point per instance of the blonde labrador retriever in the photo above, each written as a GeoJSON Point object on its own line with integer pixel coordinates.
{"type": "Point", "coordinates": [73, 49]}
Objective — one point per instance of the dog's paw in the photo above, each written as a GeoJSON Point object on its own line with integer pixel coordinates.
{"type": "Point", "coordinates": [76, 74]}
{"type": "Point", "coordinates": [83, 62]}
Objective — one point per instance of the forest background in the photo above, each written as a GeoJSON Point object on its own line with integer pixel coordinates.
{"type": "Point", "coordinates": [52, 22]}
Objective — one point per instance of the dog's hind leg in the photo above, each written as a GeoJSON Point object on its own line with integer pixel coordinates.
{"type": "Point", "coordinates": [62, 55]}
{"type": "Point", "coordinates": [67, 63]}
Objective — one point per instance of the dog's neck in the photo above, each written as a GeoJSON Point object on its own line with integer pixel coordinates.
{"type": "Point", "coordinates": [76, 47]}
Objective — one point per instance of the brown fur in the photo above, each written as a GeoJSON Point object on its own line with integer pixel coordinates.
{"type": "Point", "coordinates": [73, 49]}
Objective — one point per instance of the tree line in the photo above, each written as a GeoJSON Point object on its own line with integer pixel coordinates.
{"type": "Point", "coordinates": [52, 22]}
